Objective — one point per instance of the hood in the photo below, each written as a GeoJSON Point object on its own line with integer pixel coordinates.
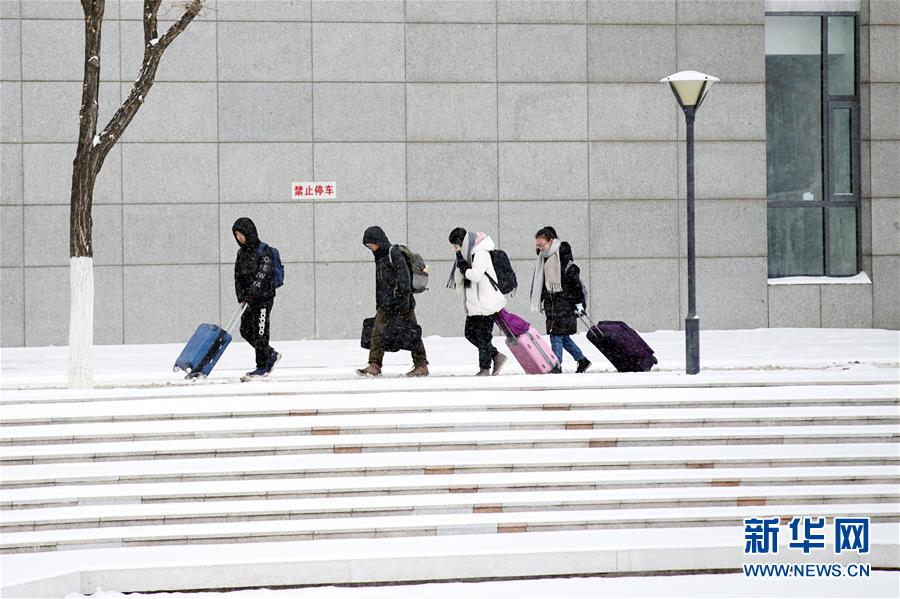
{"type": "Point", "coordinates": [483, 242]}
{"type": "Point", "coordinates": [376, 235]}
{"type": "Point", "coordinates": [246, 226]}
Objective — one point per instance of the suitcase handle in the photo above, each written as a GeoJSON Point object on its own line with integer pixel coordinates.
{"type": "Point", "coordinates": [503, 329]}
{"type": "Point", "coordinates": [214, 348]}
{"type": "Point", "coordinates": [586, 320]}
{"type": "Point", "coordinates": [235, 317]}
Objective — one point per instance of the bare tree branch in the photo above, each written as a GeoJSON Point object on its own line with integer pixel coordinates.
{"type": "Point", "coordinates": [153, 51]}
{"type": "Point", "coordinates": [192, 9]}
{"type": "Point", "coordinates": [93, 23]}
{"type": "Point", "coordinates": [151, 8]}
{"type": "Point", "coordinates": [84, 172]}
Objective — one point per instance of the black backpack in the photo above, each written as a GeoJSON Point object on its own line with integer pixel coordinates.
{"type": "Point", "coordinates": [582, 288]}
{"type": "Point", "coordinates": [506, 277]}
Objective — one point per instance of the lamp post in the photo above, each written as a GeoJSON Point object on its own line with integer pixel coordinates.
{"type": "Point", "coordinates": [690, 88]}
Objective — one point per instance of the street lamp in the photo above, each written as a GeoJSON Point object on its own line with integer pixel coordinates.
{"type": "Point", "coordinates": [690, 88]}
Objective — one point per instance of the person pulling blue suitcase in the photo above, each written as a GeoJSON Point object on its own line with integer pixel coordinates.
{"type": "Point", "coordinates": [258, 272]}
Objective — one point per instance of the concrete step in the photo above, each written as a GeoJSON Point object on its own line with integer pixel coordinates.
{"type": "Point", "coordinates": [413, 559]}
{"type": "Point", "coordinates": [444, 422]}
{"type": "Point", "coordinates": [192, 408]}
{"type": "Point", "coordinates": [347, 383]}
{"type": "Point", "coordinates": [309, 464]}
{"type": "Point", "coordinates": [577, 480]}
{"type": "Point", "coordinates": [99, 516]}
{"type": "Point", "coordinates": [451, 462]}
{"type": "Point", "coordinates": [425, 525]}
{"type": "Point", "coordinates": [471, 440]}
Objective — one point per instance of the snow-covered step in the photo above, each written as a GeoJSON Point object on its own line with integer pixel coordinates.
{"type": "Point", "coordinates": [413, 559]}
{"type": "Point", "coordinates": [227, 406]}
{"type": "Point", "coordinates": [449, 462]}
{"type": "Point", "coordinates": [425, 525]}
{"type": "Point", "coordinates": [129, 386]}
{"type": "Point", "coordinates": [494, 439]}
{"type": "Point", "coordinates": [572, 480]}
{"type": "Point", "coordinates": [451, 421]}
{"type": "Point", "coordinates": [299, 458]}
{"type": "Point", "coordinates": [92, 516]}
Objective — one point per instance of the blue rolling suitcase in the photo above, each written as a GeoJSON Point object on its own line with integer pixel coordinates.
{"type": "Point", "coordinates": [205, 347]}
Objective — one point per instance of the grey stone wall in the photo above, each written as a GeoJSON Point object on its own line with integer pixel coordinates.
{"type": "Point", "coordinates": [501, 116]}
{"type": "Point", "coordinates": [881, 152]}
{"type": "Point", "coordinates": [876, 304]}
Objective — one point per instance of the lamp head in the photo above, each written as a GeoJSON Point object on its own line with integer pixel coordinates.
{"type": "Point", "coordinates": [689, 87]}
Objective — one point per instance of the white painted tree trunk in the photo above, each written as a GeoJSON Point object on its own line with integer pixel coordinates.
{"type": "Point", "coordinates": [81, 322]}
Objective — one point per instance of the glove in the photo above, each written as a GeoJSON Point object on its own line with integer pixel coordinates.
{"type": "Point", "coordinates": [579, 309]}
{"type": "Point", "coordinates": [461, 263]}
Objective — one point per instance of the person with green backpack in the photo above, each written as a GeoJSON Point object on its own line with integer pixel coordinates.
{"type": "Point", "coordinates": [395, 283]}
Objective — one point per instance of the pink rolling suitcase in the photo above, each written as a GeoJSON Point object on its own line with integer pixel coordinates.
{"type": "Point", "coordinates": [526, 344]}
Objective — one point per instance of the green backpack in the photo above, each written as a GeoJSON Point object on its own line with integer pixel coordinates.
{"type": "Point", "coordinates": [417, 269]}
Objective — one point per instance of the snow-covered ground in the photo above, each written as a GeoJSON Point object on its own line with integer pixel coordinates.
{"type": "Point", "coordinates": [728, 358]}
{"type": "Point", "coordinates": [880, 584]}
{"type": "Point", "coordinates": [720, 351]}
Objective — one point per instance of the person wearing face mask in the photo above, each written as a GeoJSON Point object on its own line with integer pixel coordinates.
{"type": "Point", "coordinates": [556, 290]}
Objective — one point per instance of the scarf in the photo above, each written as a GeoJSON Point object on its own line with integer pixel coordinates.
{"type": "Point", "coordinates": [547, 273]}
{"type": "Point", "coordinates": [468, 246]}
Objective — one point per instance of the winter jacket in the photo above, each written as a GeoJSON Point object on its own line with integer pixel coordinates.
{"type": "Point", "coordinates": [559, 307]}
{"type": "Point", "coordinates": [482, 299]}
{"type": "Point", "coordinates": [393, 281]}
{"type": "Point", "coordinates": [253, 270]}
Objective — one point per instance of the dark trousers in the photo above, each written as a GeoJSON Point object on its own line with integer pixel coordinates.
{"type": "Point", "coordinates": [479, 332]}
{"type": "Point", "coordinates": [255, 330]}
{"type": "Point", "coordinates": [376, 353]}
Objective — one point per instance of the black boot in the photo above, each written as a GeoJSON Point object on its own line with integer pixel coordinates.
{"type": "Point", "coordinates": [583, 365]}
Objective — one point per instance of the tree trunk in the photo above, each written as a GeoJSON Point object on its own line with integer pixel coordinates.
{"type": "Point", "coordinates": [81, 279]}
{"type": "Point", "coordinates": [84, 174]}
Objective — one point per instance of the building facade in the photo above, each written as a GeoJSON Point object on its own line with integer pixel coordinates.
{"type": "Point", "coordinates": [501, 116]}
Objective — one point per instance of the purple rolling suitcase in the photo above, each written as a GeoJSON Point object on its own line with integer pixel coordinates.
{"type": "Point", "coordinates": [621, 345]}
{"type": "Point", "coordinates": [526, 344]}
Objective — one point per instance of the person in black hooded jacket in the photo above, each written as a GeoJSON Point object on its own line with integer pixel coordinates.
{"type": "Point", "coordinates": [254, 269]}
{"type": "Point", "coordinates": [393, 298]}
{"type": "Point", "coordinates": [557, 292]}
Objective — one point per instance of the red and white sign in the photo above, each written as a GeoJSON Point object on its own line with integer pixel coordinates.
{"type": "Point", "coordinates": [313, 189]}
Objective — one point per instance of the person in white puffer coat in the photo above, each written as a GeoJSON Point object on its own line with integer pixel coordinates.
{"type": "Point", "coordinates": [474, 274]}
